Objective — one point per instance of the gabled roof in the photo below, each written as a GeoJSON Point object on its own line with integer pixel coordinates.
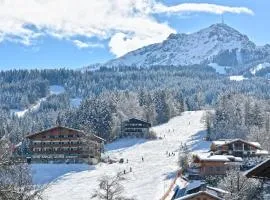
{"type": "Point", "coordinates": [51, 129]}
{"type": "Point", "coordinates": [66, 128]}
{"type": "Point", "coordinates": [97, 138]}
{"type": "Point", "coordinates": [136, 120]}
{"type": "Point", "coordinates": [189, 196]}
{"type": "Point", "coordinates": [229, 141]}
{"type": "Point", "coordinates": [261, 171]}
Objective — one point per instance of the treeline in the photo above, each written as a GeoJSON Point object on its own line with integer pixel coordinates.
{"type": "Point", "coordinates": [240, 116]}
{"type": "Point", "coordinates": [111, 95]}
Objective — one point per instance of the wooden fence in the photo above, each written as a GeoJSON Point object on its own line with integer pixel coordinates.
{"type": "Point", "coordinates": [178, 174]}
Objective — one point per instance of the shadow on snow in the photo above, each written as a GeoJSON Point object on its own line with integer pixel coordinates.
{"type": "Point", "coordinates": [124, 143]}
{"type": "Point", "coordinates": [46, 173]}
{"type": "Point", "coordinates": [198, 143]}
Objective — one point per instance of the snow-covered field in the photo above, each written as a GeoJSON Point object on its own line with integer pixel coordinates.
{"type": "Point", "coordinates": [237, 78]}
{"type": "Point", "coordinates": [259, 67]}
{"type": "Point", "coordinates": [219, 69]}
{"type": "Point", "coordinates": [149, 178]}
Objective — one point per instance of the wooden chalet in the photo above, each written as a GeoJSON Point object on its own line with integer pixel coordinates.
{"type": "Point", "coordinates": [261, 171]}
{"type": "Point", "coordinates": [209, 164]}
{"type": "Point", "coordinates": [135, 127]}
{"type": "Point", "coordinates": [62, 144]}
{"type": "Point", "coordinates": [238, 147]}
{"type": "Point", "coordinates": [201, 195]}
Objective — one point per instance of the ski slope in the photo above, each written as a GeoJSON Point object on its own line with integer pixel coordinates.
{"type": "Point", "coordinates": [149, 178]}
{"type": "Point", "coordinates": [53, 90]}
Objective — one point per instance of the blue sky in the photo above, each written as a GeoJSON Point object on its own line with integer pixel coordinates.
{"type": "Point", "coordinates": [73, 34]}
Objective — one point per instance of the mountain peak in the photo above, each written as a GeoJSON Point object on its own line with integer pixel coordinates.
{"type": "Point", "coordinates": [223, 30]}
{"type": "Point", "coordinates": [218, 42]}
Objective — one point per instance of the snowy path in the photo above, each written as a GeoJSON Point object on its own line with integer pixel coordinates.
{"type": "Point", "coordinates": [149, 178]}
{"type": "Point", "coordinates": [53, 89]}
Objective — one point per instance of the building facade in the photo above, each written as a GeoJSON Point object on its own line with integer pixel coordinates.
{"type": "Point", "coordinates": [201, 195]}
{"type": "Point", "coordinates": [238, 147]}
{"type": "Point", "coordinates": [204, 165]}
{"type": "Point", "coordinates": [135, 127]}
{"type": "Point", "coordinates": [62, 144]}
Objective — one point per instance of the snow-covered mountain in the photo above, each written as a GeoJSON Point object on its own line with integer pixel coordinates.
{"type": "Point", "coordinates": [219, 43]}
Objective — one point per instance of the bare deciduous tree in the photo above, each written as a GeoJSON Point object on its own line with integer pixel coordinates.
{"type": "Point", "coordinates": [110, 188]}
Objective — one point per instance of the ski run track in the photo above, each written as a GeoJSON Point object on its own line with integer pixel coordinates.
{"type": "Point", "coordinates": [150, 178]}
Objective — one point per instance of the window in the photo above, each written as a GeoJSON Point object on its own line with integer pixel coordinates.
{"type": "Point", "coordinates": [70, 136]}
{"type": "Point", "coordinates": [51, 136]}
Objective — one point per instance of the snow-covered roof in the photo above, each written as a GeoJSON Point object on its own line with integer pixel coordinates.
{"type": "Point", "coordinates": [63, 127]}
{"type": "Point", "coordinates": [220, 142]}
{"type": "Point", "coordinates": [194, 184]}
{"type": "Point", "coordinates": [218, 158]}
{"type": "Point", "coordinates": [217, 189]}
{"type": "Point", "coordinates": [228, 141]}
{"type": "Point", "coordinates": [183, 188]}
{"type": "Point", "coordinates": [262, 152]}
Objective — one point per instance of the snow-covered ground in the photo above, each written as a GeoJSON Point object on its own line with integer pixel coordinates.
{"type": "Point", "coordinates": [149, 178]}
{"type": "Point", "coordinates": [219, 69]}
{"type": "Point", "coordinates": [237, 78]}
{"type": "Point", "coordinates": [75, 102]}
{"type": "Point", "coordinates": [259, 67]}
{"type": "Point", "coordinates": [54, 89]}
{"type": "Point", "coordinates": [45, 173]}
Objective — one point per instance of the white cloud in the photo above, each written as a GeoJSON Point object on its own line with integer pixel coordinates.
{"type": "Point", "coordinates": [201, 7]}
{"type": "Point", "coordinates": [127, 24]}
{"type": "Point", "coordinates": [83, 45]}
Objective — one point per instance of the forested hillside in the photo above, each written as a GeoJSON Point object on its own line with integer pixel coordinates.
{"type": "Point", "coordinates": [111, 95]}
